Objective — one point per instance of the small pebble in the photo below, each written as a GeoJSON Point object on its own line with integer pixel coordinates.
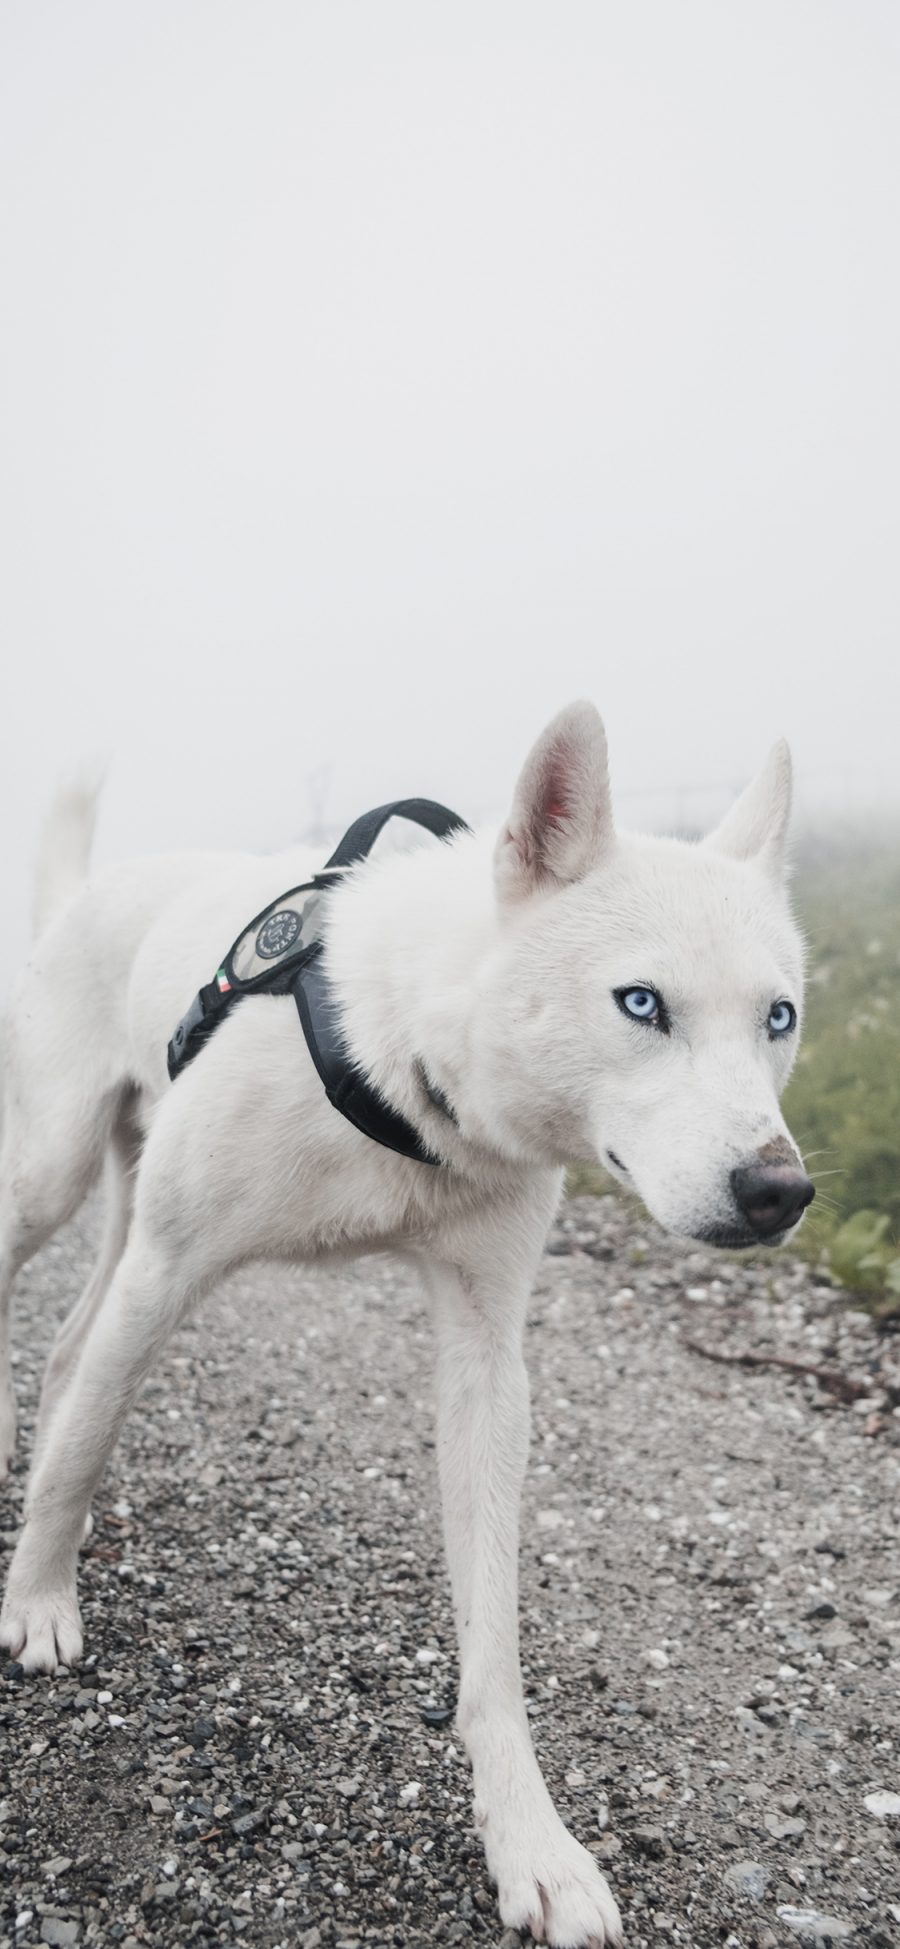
{"type": "Point", "coordinates": [748, 1878]}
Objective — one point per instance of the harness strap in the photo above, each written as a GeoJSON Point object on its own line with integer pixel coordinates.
{"type": "Point", "coordinates": [359, 838]}
{"type": "Point", "coordinates": [347, 1088]}
{"type": "Point", "coordinates": [288, 964]}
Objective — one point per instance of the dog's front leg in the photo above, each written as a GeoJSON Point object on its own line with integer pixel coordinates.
{"type": "Point", "coordinates": [546, 1881]}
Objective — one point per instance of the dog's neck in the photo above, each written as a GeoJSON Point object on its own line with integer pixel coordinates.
{"type": "Point", "coordinates": [422, 962]}
{"type": "Point", "coordinates": [407, 941]}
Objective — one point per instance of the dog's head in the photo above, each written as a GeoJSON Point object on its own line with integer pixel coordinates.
{"type": "Point", "coordinates": [646, 1003]}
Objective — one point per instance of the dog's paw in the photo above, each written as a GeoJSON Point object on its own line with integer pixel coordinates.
{"type": "Point", "coordinates": [40, 1626]}
{"type": "Point", "coordinates": [556, 1890]}
{"type": "Point", "coordinates": [43, 1634]}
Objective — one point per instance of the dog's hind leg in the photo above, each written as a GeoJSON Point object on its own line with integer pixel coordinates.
{"type": "Point", "coordinates": [149, 1294]}
{"type": "Point", "coordinates": [118, 1185]}
{"type": "Point", "coordinates": [546, 1881]}
{"type": "Point", "coordinates": [50, 1157]}
{"type": "Point", "coordinates": [174, 1252]}
{"type": "Point", "coordinates": [53, 1132]}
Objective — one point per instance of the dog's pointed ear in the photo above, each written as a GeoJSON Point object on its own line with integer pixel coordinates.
{"type": "Point", "coordinates": [756, 826]}
{"type": "Point", "coordinates": [561, 820]}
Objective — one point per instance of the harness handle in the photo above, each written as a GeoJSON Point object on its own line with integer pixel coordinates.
{"type": "Point", "coordinates": [359, 838]}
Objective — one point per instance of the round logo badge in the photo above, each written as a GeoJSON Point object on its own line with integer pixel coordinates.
{"type": "Point", "coordinates": [278, 933]}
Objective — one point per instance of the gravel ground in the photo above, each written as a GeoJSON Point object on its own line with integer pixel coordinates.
{"type": "Point", "coordinates": [258, 1747]}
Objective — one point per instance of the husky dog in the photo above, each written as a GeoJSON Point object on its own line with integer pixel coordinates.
{"type": "Point", "coordinates": [561, 991]}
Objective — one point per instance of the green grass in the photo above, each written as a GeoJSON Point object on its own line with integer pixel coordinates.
{"type": "Point", "coordinates": [843, 1101]}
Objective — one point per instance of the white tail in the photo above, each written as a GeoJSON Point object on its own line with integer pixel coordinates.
{"type": "Point", "coordinates": [64, 847]}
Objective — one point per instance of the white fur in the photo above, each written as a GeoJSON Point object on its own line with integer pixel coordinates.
{"type": "Point", "coordinates": [499, 980]}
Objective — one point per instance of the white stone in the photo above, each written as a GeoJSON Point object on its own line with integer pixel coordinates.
{"type": "Point", "coordinates": [409, 1794]}
{"type": "Point", "coordinates": [884, 1805]}
{"type": "Point", "coordinates": [57, 1866]}
{"type": "Point", "coordinates": [807, 1921]}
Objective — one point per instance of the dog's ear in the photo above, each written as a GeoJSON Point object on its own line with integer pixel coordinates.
{"type": "Point", "coordinates": [561, 820]}
{"type": "Point", "coordinates": [756, 826]}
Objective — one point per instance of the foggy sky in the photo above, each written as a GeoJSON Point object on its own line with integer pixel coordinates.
{"type": "Point", "coordinates": [377, 377]}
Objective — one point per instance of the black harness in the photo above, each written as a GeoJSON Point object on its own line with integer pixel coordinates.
{"type": "Point", "coordinates": [279, 953]}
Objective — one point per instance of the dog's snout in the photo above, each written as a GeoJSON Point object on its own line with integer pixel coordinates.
{"type": "Point", "coordinates": [771, 1196]}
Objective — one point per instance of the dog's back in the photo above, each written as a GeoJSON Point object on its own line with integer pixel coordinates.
{"type": "Point", "coordinates": [118, 953]}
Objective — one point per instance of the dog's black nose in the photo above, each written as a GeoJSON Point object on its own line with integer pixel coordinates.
{"type": "Point", "coordinates": [771, 1196]}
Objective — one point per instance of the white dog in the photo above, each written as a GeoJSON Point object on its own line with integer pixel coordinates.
{"type": "Point", "coordinates": [587, 995]}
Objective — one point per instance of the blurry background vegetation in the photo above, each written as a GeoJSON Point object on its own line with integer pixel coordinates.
{"type": "Point", "coordinates": [843, 1101]}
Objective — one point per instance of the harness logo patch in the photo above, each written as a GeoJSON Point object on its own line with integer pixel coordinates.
{"type": "Point", "coordinates": [278, 933]}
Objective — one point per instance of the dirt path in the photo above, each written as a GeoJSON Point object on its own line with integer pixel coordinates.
{"type": "Point", "coordinates": [711, 1619]}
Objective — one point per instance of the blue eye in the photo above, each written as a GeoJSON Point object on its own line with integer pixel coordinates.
{"type": "Point", "coordinates": [642, 1004]}
{"type": "Point", "coordinates": [782, 1018]}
